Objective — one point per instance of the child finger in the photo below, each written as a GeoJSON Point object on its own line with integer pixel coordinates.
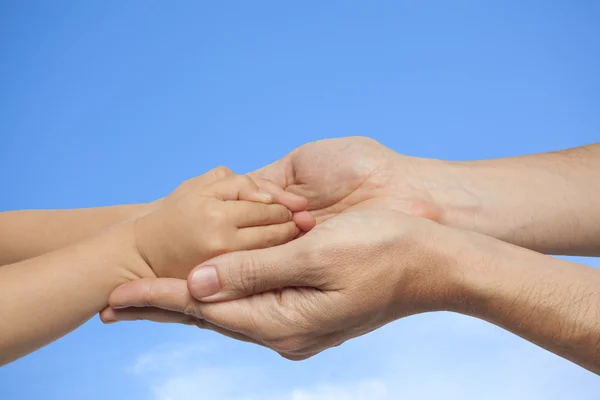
{"type": "Point", "coordinates": [247, 214]}
{"type": "Point", "coordinates": [260, 237]}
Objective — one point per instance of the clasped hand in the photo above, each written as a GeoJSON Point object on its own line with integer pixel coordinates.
{"type": "Point", "coordinates": [337, 281]}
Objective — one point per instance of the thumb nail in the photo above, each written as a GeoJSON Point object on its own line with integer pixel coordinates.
{"type": "Point", "coordinates": [204, 282]}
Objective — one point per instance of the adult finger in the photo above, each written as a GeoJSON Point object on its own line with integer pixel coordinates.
{"type": "Point", "coordinates": [110, 315]}
{"type": "Point", "coordinates": [244, 273]}
{"type": "Point", "coordinates": [155, 314]}
{"type": "Point", "coordinates": [170, 294]}
{"type": "Point", "coordinates": [279, 172]}
{"type": "Point", "coordinates": [165, 293]}
{"type": "Point", "coordinates": [253, 317]}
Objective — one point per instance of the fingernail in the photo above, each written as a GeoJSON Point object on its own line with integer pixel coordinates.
{"type": "Point", "coordinates": [119, 307]}
{"type": "Point", "coordinates": [204, 282]}
{"type": "Point", "coordinates": [264, 196]}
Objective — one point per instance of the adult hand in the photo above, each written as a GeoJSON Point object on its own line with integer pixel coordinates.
{"type": "Point", "coordinates": [362, 269]}
{"type": "Point", "coordinates": [338, 175]}
{"type": "Point", "coordinates": [543, 202]}
{"type": "Point", "coordinates": [349, 275]}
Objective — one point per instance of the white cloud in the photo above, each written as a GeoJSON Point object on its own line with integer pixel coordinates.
{"type": "Point", "coordinates": [363, 390]}
{"type": "Point", "coordinates": [168, 357]}
{"type": "Point", "coordinates": [206, 383]}
{"type": "Point", "coordinates": [225, 384]}
{"type": "Point", "coordinates": [442, 356]}
{"type": "Point", "coordinates": [180, 372]}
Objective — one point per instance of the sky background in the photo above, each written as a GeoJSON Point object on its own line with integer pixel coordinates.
{"type": "Point", "coordinates": [106, 102]}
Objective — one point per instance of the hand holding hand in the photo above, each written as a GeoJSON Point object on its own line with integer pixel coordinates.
{"type": "Point", "coordinates": [347, 182]}
{"type": "Point", "coordinates": [202, 219]}
{"type": "Point", "coordinates": [351, 274]}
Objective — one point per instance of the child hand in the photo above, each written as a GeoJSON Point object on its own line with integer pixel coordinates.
{"type": "Point", "coordinates": [204, 221]}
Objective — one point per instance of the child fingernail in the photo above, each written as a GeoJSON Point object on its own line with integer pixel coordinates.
{"type": "Point", "coordinates": [264, 196]}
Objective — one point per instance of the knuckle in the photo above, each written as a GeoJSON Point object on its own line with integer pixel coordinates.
{"type": "Point", "coordinates": [217, 244]}
{"type": "Point", "coordinates": [245, 279]}
{"type": "Point", "coordinates": [197, 322]}
{"type": "Point", "coordinates": [148, 293]}
{"type": "Point", "coordinates": [216, 215]}
{"type": "Point", "coordinates": [366, 140]}
{"type": "Point", "coordinates": [221, 172]}
{"type": "Point", "coordinates": [217, 221]}
{"type": "Point", "coordinates": [282, 212]}
{"type": "Point", "coordinates": [190, 309]}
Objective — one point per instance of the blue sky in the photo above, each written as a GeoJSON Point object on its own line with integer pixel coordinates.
{"type": "Point", "coordinates": [118, 102]}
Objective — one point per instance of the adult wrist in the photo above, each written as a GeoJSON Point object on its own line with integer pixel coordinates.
{"type": "Point", "coordinates": [431, 264]}
{"type": "Point", "coordinates": [451, 270]}
{"type": "Point", "coordinates": [453, 189]}
{"type": "Point", "coordinates": [476, 196]}
{"type": "Point", "coordinates": [535, 203]}
{"type": "Point", "coordinates": [483, 268]}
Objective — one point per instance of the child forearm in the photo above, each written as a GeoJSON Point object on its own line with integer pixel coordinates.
{"type": "Point", "coordinates": [30, 233]}
{"type": "Point", "coordinates": [44, 298]}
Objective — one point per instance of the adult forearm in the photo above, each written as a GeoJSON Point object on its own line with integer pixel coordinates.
{"type": "Point", "coordinates": [545, 202]}
{"type": "Point", "coordinates": [26, 234]}
{"type": "Point", "coordinates": [550, 302]}
{"type": "Point", "coordinates": [44, 298]}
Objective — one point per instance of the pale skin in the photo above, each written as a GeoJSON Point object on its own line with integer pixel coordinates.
{"type": "Point", "coordinates": [368, 262]}
{"type": "Point", "coordinates": [45, 297]}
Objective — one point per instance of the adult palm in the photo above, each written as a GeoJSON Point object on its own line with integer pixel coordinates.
{"type": "Point", "coordinates": [337, 175]}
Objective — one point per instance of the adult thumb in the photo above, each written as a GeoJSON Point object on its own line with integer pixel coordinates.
{"type": "Point", "coordinates": [245, 273]}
